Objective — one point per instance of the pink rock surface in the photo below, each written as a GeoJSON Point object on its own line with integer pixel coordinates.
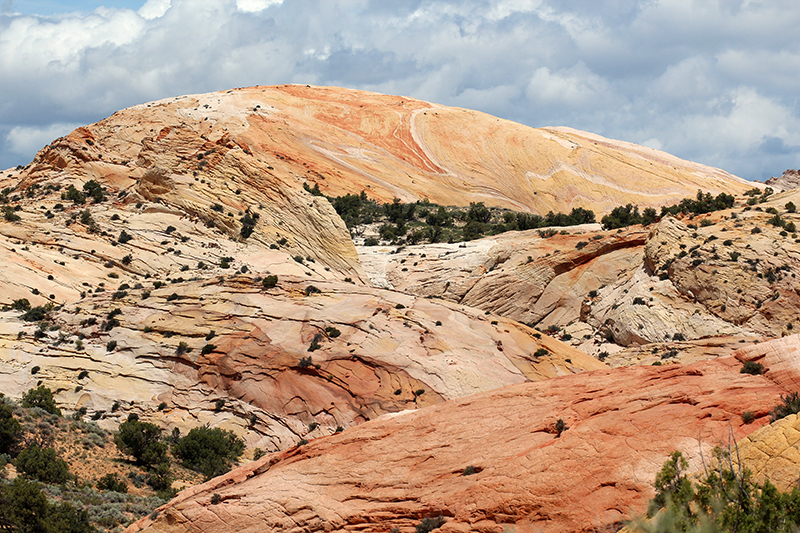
{"type": "Point", "coordinates": [393, 471]}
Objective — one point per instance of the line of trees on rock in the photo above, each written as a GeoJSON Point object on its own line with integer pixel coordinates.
{"type": "Point", "coordinates": [702, 203]}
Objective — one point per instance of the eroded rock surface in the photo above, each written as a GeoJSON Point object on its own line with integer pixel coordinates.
{"type": "Point", "coordinates": [297, 360]}
{"type": "Point", "coordinates": [394, 471]}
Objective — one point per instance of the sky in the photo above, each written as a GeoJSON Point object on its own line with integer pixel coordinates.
{"type": "Point", "coordinates": [712, 81]}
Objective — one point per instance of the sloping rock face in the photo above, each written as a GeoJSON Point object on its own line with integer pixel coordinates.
{"type": "Point", "coordinates": [790, 179]}
{"type": "Point", "coordinates": [394, 471]}
{"type": "Point", "coordinates": [274, 365]}
{"type": "Point", "coordinates": [519, 275]}
{"type": "Point", "coordinates": [780, 358]}
{"type": "Point", "coordinates": [267, 141]}
{"type": "Point", "coordinates": [772, 453]}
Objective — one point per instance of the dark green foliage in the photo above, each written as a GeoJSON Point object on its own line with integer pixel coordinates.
{"type": "Point", "coordinates": [311, 290]}
{"type": "Point", "coordinates": [748, 417]}
{"type": "Point", "coordinates": [332, 332]}
{"type": "Point", "coordinates": [10, 430]}
{"type": "Point", "coordinates": [269, 281]}
{"type": "Point", "coordinates": [73, 194]}
{"type": "Point", "coordinates": [219, 404]}
{"type": "Point", "coordinates": [43, 464]}
{"type": "Point", "coordinates": [751, 367]}
{"type": "Point", "coordinates": [305, 362]}
{"type": "Point", "coordinates": [141, 440]}
{"type": "Point", "coordinates": [21, 305]}
{"type": "Point", "coordinates": [561, 427]}
{"type": "Point", "coordinates": [678, 337]}
{"type": "Point", "coordinates": [93, 190]}
{"type": "Point", "coordinates": [124, 237]}
{"type": "Point", "coordinates": [26, 508]}
{"type": "Point", "coordinates": [209, 451]}
{"type": "Point", "coordinates": [41, 397]}
{"type": "Point", "coordinates": [37, 314]}
{"type": "Point", "coordinates": [429, 524]}
{"type": "Point", "coordinates": [314, 191]}
{"type": "Point", "coordinates": [776, 221]}
{"type": "Point", "coordinates": [111, 346]}
{"type": "Point", "coordinates": [248, 224]}
{"type": "Point", "coordinates": [468, 471]}
{"type": "Point", "coordinates": [207, 349]}
{"type": "Point", "coordinates": [215, 499]}
{"type": "Point", "coordinates": [541, 352]}
{"type": "Point", "coordinates": [182, 348]}
{"type": "Point", "coordinates": [725, 500]}
{"type": "Point", "coordinates": [113, 483]}
{"type": "Point", "coordinates": [790, 406]}
{"type": "Point", "coordinates": [672, 485]}
{"type": "Point", "coordinates": [621, 217]}
{"type": "Point", "coordinates": [9, 215]}
{"type": "Point", "coordinates": [628, 215]}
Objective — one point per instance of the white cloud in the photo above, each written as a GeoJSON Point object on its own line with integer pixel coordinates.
{"type": "Point", "coordinates": [30, 139]}
{"type": "Point", "coordinates": [713, 81]}
{"type": "Point", "coordinates": [254, 6]}
{"type": "Point", "coordinates": [572, 86]}
{"type": "Point", "coordinates": [154, 9]}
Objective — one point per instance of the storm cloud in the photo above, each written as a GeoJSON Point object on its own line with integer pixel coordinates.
{"type": "Point", "coordinates": [713, 81]}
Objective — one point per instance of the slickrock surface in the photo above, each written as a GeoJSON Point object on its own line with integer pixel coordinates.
{"type": "Point", "coordinates": [780, 358]}
{"type": "Point", "coordinates": [273, 139]}
{"type": "Point", "coordinates": [730, 274]}
{"type": "Point", "coordinates": [790, 179]}
{"type": "Point", "coordinates": [773, 453]}
{"type": "Point", "coordinates": [519, 275]}
{"type": "Point", "coordinates": [378, 351]}
{"type": "Point", "coordinates": [393, 471]}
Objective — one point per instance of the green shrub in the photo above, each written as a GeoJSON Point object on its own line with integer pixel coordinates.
{"type": "Point", "coordinates": [113, 483]}
{"type": "Point", "coordinates": [124, 237]}
{"type": "Point", "coordinates": [561, 427]}
{"type": "Point", "coordinates": [41, 397]}
{"type": "Point", "coordinates": [209, 451]}
{"type": "Point", "coordinates": [141, 440]}
{"type": "Point", "coordinates": [111, 346]}
{"type": "Point", "coordinates": [748, 417]}
{"type": "Point", "coordinates": [429, 524]}
{"type": "Point", "coordinates": [207, 349]}
{"type": "Point", "coordinates": [37, 314]}
{"type": "Point", "coordinates": [790, 405]}
{"type": "Point", "coordinates": [468, 471]}
{"type": "Point", "coordinates": [541, 352]}
{"type": "Point", "coordinates": [269, 281]}
{"type": "Point", "coordinates": [751, 367]}
{"type": "Point", "coordinates": [726, 499]}
{"type": "Point", "coordinates": [43, 464]}
{"type": "Point", "coordinates": [10, 430]}
{"type": "Point", "coordinates": [27, 510]}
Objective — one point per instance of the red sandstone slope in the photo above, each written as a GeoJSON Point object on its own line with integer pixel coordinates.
{"type": "Point", "coordinates": [393, 471]}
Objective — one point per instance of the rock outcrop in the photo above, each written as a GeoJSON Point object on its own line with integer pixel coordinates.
{"type": "Point", "coordinates": [790, 179]}
{"type": "Point", "coordinates": [396, 470]}
{"type": "Point", "coordinates": [274, 365]}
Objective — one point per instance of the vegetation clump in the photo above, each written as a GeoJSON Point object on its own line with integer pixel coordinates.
{"type": "Point", "coordinates": [41, 397]}
{"type": "Point", "coordinates": [726, 499]}
{"type": "Point", "coordinates": [209, 451]}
